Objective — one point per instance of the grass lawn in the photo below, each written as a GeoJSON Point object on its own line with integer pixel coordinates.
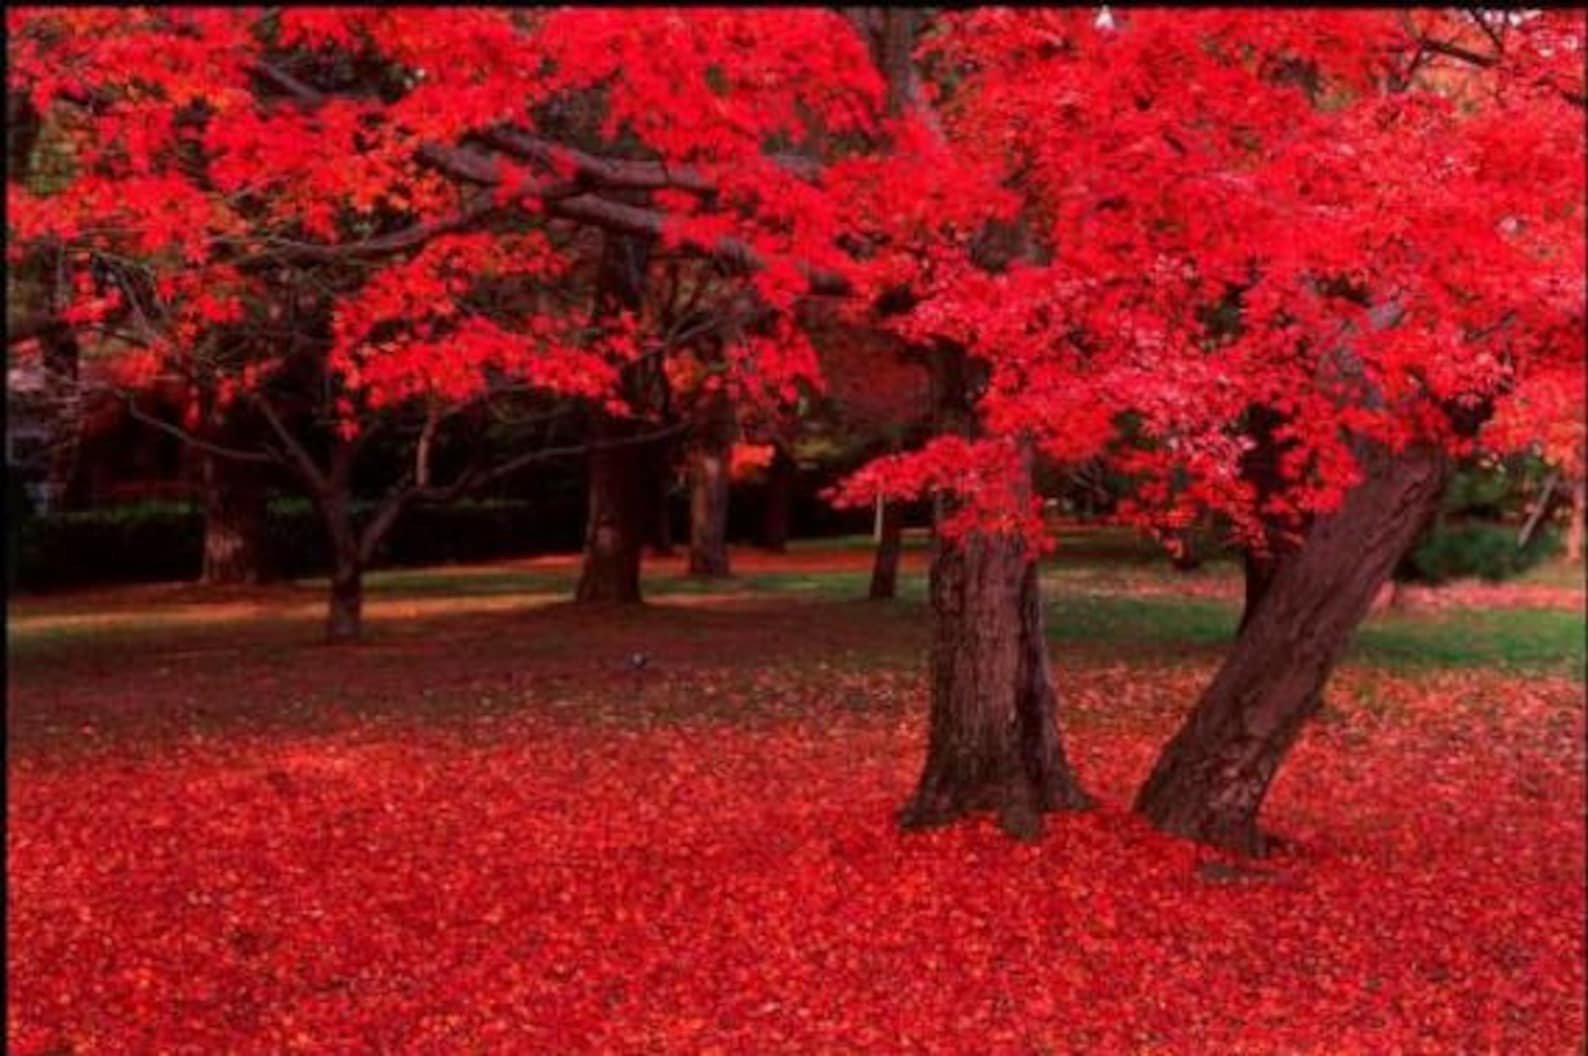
{"type": "Point", "coordinates": [485, 831]}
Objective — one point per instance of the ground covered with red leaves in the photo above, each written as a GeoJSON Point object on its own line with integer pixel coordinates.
{"type": "Point", "coordinates": [489, 836]}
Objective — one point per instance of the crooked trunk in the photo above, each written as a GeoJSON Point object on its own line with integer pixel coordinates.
{"type": "Point", "coordinates": [779, 501]}
{"type": "Point", "coordinates": [617, 522]}
{"type": "Point", "coordinates": [1210, 781]}
{"type": "Point", "coordinates": [234, 523]}
{"type": "Point", "coordinates": [885, 566]}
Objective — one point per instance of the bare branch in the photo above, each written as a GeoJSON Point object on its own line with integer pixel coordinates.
{"type": "Point", "coordinates": [186, 437]}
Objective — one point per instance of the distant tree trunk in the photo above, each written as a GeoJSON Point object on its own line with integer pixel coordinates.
{"type": "Point", "coordinates": [234, 523]}
{"type": "Point", "coordinates": [345, 616]}
{"type": "Point", "coordinates": [617, 524]}
{"type": "Point", "coordinates": [1210, 781]}
{"type": "Point", "coordinates": [885, 566]}
{"type": "Point", "coordinates": [709, 459]}
{"type": "Point", "coordinates": [1574, 530]}
{"type": "Point", "coordinates": [993, 736]}
{"type": "Point", "coordinates": [621, 509]}
{"type": "Point", "coordinates": [62, 359]}
{"type": "Point", "coordinates": [1187, 558]}
{"type": "Point", "coordinates": [779, 501]}
{"type": "Point", "coordinates": [662, 541]}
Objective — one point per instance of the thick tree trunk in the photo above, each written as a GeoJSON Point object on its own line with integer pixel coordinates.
{"type": "Point", "coordinates": [234, 524]}
{"type": "Point", "coordinates": [1579, 507]}
{"type": "Point", "coordinates": [885, 566]}
{"type": "Point", "coordinates": [993, 736]}
{"type": "Point", "coordinates": [1210, 780]}
{"type": "Point", "coordinates": [779, 502]}
{"type": "Point", "coordinates": [709, 459]}
{"type": "Point", "coordinates": [617, 523]}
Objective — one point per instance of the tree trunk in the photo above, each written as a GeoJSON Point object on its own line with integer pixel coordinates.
{"type": "Point", "coordinates": [992, 736]}
{"type": "Point", "coordinates": [885, 567]}
{"type": "Point", "coordinates": [234, 524]}
{"type": "Point", "coordinates": [616, 527]}
{"type": "Point", "coordinates": [708, 492]}
{"type": "Point", "coordinates": [621, 502]}
{"type": "Point", "coordinates": [779, 501]}
{"type": "Point", "coordinates": [1574, 531]}
{"type": "Point", "coordinates": [662, 541]}
{"type": "Point", "coordinates": [1259, 574]}
{"type": "Point", "coordinates": [1209, 783]}
{"type": "Point", "coordinates": [345, 616]}
{"type": "Point", "coordinates": [993, 741]}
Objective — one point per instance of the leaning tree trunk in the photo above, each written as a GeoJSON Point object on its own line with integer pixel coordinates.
{"type": "Point", "coordinates": [1574, 530]}
{"type": "Point", "coordinates": [1210, 780]}
{"type": "Point", "coordinates": [234, 523]}
{"type": "Point", "coordinates": [885, 566]}
{"type": "Point", "coordinates": [618, 519]}
{"type": "Point", "coordinates": [779, 501]}
{"type": "Point", "coordinates": [1258, 572]}
{"type": "Point", "coordinates": [709, 459]}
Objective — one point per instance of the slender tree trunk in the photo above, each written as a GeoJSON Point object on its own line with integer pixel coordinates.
{"type": "Point", "coordinates": [662, 541]}
{"type": "Point", "coordinates": [1210, 780]}
{"type": "Point", "coordinates": [234, 523]}
{"type": "Point", "coordinates": [885, 566]}
{"type": "Point", "coordinates": [1574, 530]}
{"type": "Point", "coordinates": [779, 501]}
{"type": "Point", "coordinates": [708, 492]}
{"type": "Point", "coordinates": [617, 524]}
{"type": "Point", "coordinates": [345, 616]}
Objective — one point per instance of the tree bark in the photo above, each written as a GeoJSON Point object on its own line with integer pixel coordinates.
{"type": "Point", "coordinates": [616, 526]}
{"type": "Point", "coordinates": [662, 540]}
{"type": "Point", "coordinates": [993, 741]}
{"type": "Point", "coordinates": [1574, 530]}
{"type": "Point", "coordinates": [779, 501]}
{"type": "Point", "coordinates": [621, 505]}
{"type": "Point", "coordinates": [1258, 570]}
{"type": "Point", "coordinates": [709, 459]}
{"type": "Point", "coordinates": [1210, 781]}
{"type": "Point", "coordinates": [344, 621]}
{"type": "Point", "coordinates": [885, 566]}
{"type": "Point", "coordinates": [235, 536]}
{"type": "Point", "coordinates": [993, 737]}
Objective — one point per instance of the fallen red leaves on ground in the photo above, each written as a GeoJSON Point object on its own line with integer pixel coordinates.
{"type": "Point", "coordinates": [535, 881]}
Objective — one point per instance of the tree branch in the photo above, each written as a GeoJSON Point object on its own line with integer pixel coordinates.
{"type": "Point", "coordinates": [298, 457]}
{"type": "Point", "coordinates": [186, 437]}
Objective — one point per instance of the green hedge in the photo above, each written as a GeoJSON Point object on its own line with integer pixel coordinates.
{"type": "Point", "coordinates": [1475, 549]}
